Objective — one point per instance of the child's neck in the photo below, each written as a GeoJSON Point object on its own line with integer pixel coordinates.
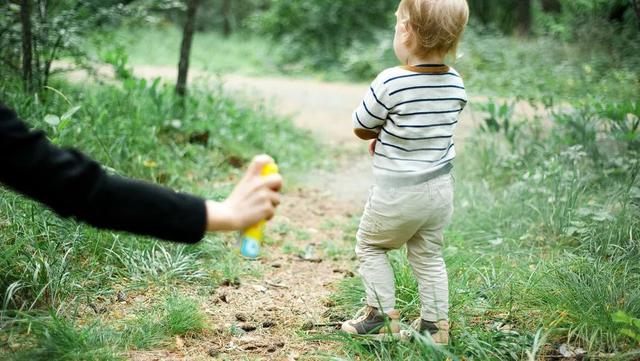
{"type": "Point", "coordinates": [429, 59]}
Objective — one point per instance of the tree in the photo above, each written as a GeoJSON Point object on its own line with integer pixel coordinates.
{"type": "Point", "coordinates": [523, 13]}
{"type": "Point", "coordinates": [185, 49]}
{"type": "Point", "coordinates": [636, 6]}
{"type": "Point", "coordinates": [226, 17]}
{"type": "Point", "coordinates": [27, 36]}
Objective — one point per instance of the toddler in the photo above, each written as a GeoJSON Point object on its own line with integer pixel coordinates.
{"type": "Point", "coordinates": [410, 113]}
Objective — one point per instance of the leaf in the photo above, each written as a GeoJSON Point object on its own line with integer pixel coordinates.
{"type": "Point", "coordinates": [70, 112]}
{"type": "Point", "coordinates": [621, 317]}
{"type": "Point", "coordinates": [630, 333]}
{"type": "Point", "coordinates": [150, 164]}
{"type": "Point", "coordinates": [52, 119]}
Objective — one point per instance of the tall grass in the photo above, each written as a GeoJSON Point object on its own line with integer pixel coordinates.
{"type": "Point", "coordinates": [543, 249]}
{"type": "Point", "coordinates": [140, 129]}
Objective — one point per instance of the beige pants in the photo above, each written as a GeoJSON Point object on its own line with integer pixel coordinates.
{"type": "Point", "coordinates": [415, 216]}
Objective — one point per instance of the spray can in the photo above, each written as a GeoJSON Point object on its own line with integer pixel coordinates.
{"type": "Point", "coordinates": [251, 239]}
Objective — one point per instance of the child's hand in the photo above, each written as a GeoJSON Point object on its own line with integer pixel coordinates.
{"type": "Point", "coordinates": [253, 199]}
{"type": "Point", "coordinates": [372, 147]}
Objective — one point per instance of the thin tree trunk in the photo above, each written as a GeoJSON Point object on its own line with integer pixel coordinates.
{"type": "Point", "coordinates": [636, 6]}
{"type": "Point", "coordinates": [185, 49]}
{"type": "Point", "coordinates": [524, 17]}
{"type": "Point", "coordinates": [25, 19]}
{"type": "Point", "coordinates": [226, 17]}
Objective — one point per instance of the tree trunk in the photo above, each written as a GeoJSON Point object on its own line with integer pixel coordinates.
{"type": "Point", "coordinates": [551, 6]}
{"type": "Point", "coordinates": [27, 62]}
{"type": "Point", "coordinates": [185, 49]}
{"type": "Point", "coordinates": [523, 13]}
{"type": "Point", "coordinates": [226, 17]}
{"type": "Point", "coordinates": [636, 6]}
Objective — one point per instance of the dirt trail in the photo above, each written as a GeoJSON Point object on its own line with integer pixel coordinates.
{"type": "Point", "coordinates": [324, 109]}
{"type": "Point", "coordinates": [291, 292]}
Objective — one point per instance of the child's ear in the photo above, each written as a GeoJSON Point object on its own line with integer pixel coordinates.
{"type": "Point", "coordinates": [407, 34]}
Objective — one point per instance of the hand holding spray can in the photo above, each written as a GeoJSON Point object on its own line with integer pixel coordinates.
{"type": "Point", "coordinates": [251, 239]}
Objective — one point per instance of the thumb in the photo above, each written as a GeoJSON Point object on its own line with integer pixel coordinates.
{"type": "Point", "coordinates": [259, 162]}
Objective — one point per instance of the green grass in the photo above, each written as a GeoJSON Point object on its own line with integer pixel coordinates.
{"type": "Point", "coordinates": [183, 316]}
{"type": "Point", "coordinates": [491, 64]}
{"type": "Point", "coordinates": [543, 249]}
{"type": "Point", "coordinates": [51, 267]}
{"type": "Point", "coordinates": [212, 52]}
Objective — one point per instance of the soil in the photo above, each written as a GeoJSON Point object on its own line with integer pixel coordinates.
{"type": "Point", "coordinates": [268, 313]}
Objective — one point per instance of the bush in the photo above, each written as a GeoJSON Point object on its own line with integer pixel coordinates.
{"type": "Point", "coordinates": [318, 33]}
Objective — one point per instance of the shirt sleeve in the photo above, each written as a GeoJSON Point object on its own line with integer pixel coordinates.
{"type": "Point", "coordinates": [372, 113]}
{"type": "Point", "coordinates": [74, 185]}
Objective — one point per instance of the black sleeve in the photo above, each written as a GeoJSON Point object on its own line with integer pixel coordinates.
{"type": "Point", "coordinates": [73, 185]}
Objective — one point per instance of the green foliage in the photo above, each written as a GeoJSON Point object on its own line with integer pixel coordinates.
{"type": "Point", "coordinates": [160, 45]}
{"type": "Point", "coordinates": [134, 129]}
{"type": "Point", "coordinates": [183, 316]}
{"type": "Point", "coordinates": [316, 33]}
{"type": "Point", "coordinates": [543, 249]}
{"type": "Point", "coordinates": [59, 339]}
{"type": "Point", "coordinates": [631, 325]}
{"type": "Point", "coordinates": [58, 29]}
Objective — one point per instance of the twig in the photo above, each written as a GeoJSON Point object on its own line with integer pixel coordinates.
{"type": "Point", "coordinates": [311, 325]}
{"type": "Point", "coordinates": [277, 285]}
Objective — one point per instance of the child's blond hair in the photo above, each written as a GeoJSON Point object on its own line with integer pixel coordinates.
{"type": "Point", "coordinates": [437, 25]}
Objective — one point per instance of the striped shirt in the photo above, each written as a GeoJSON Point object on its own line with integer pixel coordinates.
{"type": "Point", "coordinates": [414, 110]}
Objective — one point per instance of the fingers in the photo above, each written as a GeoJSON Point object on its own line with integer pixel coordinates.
{"type": "Point", "coordinates": [273, 182]}
{"type": "Point", "coordinates": [259, 162]}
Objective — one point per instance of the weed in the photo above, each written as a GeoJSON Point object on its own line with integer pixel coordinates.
{"type": "Point", "coordinates": [183, 316]}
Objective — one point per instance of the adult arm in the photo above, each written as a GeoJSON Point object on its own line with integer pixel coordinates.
{"type": "Point", "coordinates": [73, 185]}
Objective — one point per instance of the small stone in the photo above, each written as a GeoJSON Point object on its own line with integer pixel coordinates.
{"type": "Point", "coordinates": [307, 326]}
{"type": "Point", "coordinates": [247, 327]}
{"type": "Point", "coordinates": [268, 324]}
{"type": "Point", "coordinates": [240, 317]}
{"type": "Point", "coordinates": [346, 273]}
{"type": "Point", "coordinates": [260, 288]}
{"type": "Point", "coordinates": [179, 343]}
{"type": "Point", "coordinates": [228, 282]}
{"type": "Point", "coordinates": [121, 297]}
{"type": "Point", "coordinates": [139, 299]}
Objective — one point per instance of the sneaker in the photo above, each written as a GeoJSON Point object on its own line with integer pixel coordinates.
{"type": "Point", "coordinates": [373, 323]}
{"type": "Point", "coordinates": [439, 331]}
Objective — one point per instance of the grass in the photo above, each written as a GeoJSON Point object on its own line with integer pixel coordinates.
{"type": "Point", "coordinates": [212, 52]}
{"type": "Point", "coordinates": [554, 69]}
{"type": "Point", "coordinates": [183, 317]}
{"type": "Point", "coordinates": [542, 250]}
{"type": "Point", "coordinates": [52, 270]}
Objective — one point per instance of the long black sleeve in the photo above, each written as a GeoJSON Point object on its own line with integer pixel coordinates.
{"type": "Point", "coordinates": [73, 185]}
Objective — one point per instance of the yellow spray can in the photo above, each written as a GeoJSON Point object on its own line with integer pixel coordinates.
{"type": "Point", "coordinates": [251, 239]}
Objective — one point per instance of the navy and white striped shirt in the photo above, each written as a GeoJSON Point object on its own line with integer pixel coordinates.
{"type": "Point", "coordinates": [414, 110]}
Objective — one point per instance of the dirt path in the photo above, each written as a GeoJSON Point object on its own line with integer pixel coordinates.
{"type": "Point", "coordinates": [291, 292]}
{"type": "Point", "coordinates": [325, 109]}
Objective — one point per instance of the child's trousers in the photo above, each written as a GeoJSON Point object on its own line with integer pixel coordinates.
{"type": "Point", "coordinates": [415, 216]}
